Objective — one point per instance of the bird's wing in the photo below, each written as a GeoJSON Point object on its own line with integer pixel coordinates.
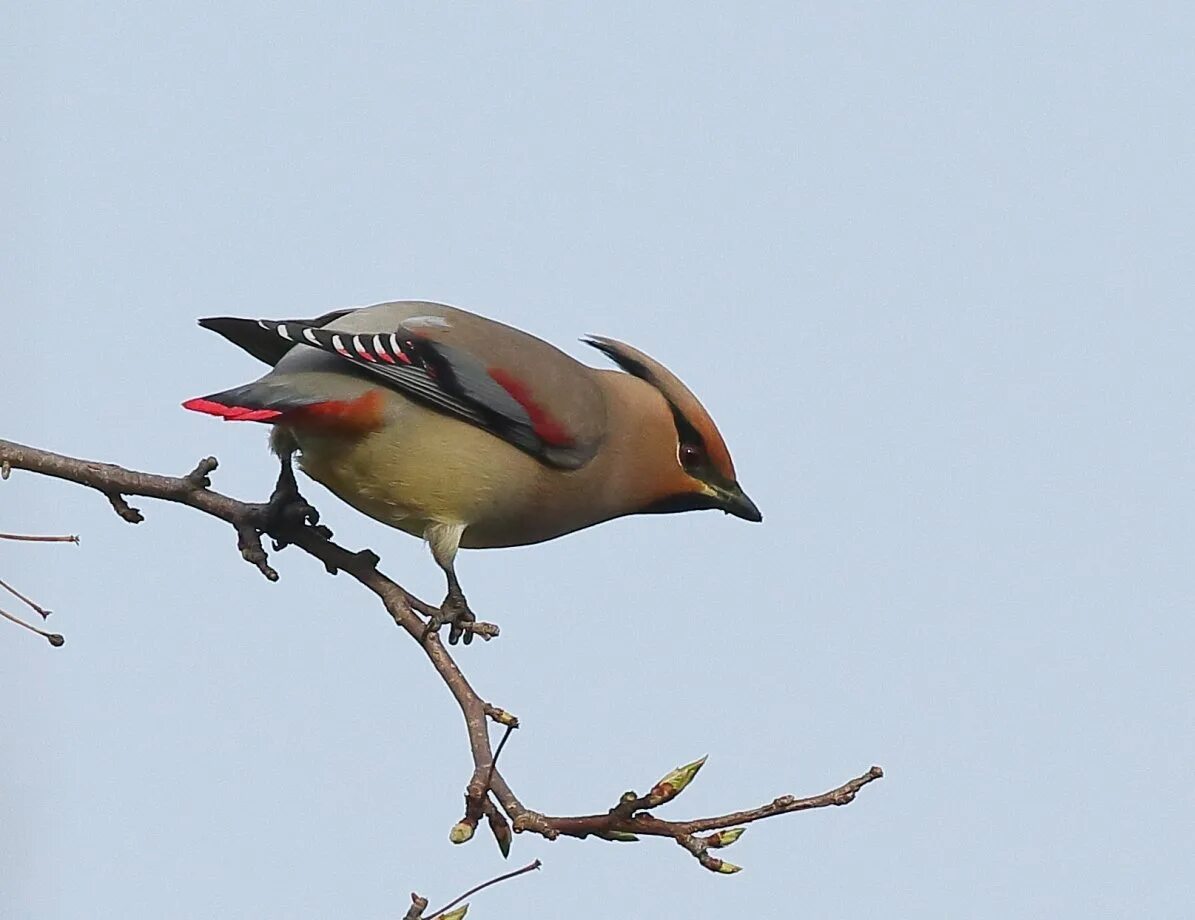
{"type": "Point", "coordinates": [444, 377]}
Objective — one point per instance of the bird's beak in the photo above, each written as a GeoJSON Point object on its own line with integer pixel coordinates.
{"type": "Point", "coordinates": [733, 500]}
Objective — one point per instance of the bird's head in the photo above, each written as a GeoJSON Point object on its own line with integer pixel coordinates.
{"type": "Point", "coordinates": [700, 475]}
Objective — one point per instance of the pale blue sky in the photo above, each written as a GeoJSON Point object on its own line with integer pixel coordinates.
{"type": "Point", "coordinates": [928, 265]}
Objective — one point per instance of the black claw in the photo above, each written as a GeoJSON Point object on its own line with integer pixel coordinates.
{"type": "Point", "coordinates": [454, 613]}
{"type": "Point", "coordinates": [287, 511]}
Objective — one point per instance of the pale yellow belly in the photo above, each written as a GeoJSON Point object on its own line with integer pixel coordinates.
{"type": "Point", "coordinates": [425, 468]}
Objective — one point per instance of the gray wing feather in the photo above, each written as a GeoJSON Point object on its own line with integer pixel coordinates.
{"type": "Point", "coordinates": [445, 378]}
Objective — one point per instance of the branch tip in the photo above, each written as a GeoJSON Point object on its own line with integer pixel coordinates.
{"type": "Point", "coordinates": [442, 912]}
{"type": "Point", "coordinates": [198, 477]}
{"type": "Point", "coordinates": [487, 631]}
{"type": "Point", "coordinates": [501, 716]}
{"type": "Point", "coordinates": [418, 906]}
{"type": "Point", "coordinates": [31, 604]}
{"type": "Point", "coordinates": [126, 511]}
{"type": "Point", "coordinates": [70, 538]}
{"type": "Point", "coordinates": [54, 639]}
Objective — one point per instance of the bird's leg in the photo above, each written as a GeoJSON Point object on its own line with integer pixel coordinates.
{"type": "Point", "coordinates": [444, 540]}
{"type": "Point", "coordinates": [455, 611]}
{"type": "Point", "coordinates": [287, 509]}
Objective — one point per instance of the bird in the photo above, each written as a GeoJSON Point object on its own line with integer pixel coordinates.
{"type": "Point", "coordinates": [471, 433]}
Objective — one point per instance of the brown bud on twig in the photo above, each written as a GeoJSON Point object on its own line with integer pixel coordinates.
{"type": "Point", "coordinates": [418, 906]}
{"type": "Point", "coordinates": [499, 827]}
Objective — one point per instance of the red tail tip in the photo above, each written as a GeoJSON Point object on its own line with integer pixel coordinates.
{"type": "Point", "coordinates": [230, 413]}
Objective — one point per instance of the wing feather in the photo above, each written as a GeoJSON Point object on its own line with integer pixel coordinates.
{"type": "Point", "coordinates": [440, 376]}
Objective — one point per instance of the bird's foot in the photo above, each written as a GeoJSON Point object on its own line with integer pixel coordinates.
{"type": "Point", "coordinates": [454, 613]}
{"type": "Point", "coordinates": [288, 511]}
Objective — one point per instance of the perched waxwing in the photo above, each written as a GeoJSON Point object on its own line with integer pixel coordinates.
{"type": "Point", "coordinates": [467, 432]}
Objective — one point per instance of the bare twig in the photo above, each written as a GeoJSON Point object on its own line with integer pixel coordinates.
{"type": "Point", "coordinates": [54, 639]}
{"type": "Point", "coordinates": [498, 753]}
{"type": "Point", "coordinates": [628, 819]}
{"type": "Point", "coordinates": [530, 867]}
{"type": "Point", "coordinates": [72, 538]}
{"type": "Point", "coordinates": [42, 611]}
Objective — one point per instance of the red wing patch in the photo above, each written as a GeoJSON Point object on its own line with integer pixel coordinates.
{"type": "Point", "coordinates": [354, 416]}
{"type": "Point", "coordinates": [545, 425]}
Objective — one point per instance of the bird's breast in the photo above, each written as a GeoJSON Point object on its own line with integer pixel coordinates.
{"type": "Point", "coordinates": [423, 467]}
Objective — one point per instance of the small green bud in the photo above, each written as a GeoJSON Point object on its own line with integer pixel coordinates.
{"type": "Point", "coordinates": [502, 717]}
{"type": "Point", "coordinates": [462, 832]}
{"type": "Point", "coordinates": [675, 782]}
{"type": "Point", "coordinates": [724, 838]}
{"type": "Point", "coordinates": [618, 836]}
{"type": "Point", "coordinates": [454, 914]}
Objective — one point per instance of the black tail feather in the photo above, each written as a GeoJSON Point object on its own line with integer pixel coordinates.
{"type": "Point", "coordinates": [263, 343]}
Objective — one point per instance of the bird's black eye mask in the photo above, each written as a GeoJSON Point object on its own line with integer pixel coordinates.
{"type": "Point", "coordinates": [692, 455]}
{"type": "Point", "coordinates": [690, 447]}
{"type": "Point", "coordinates": [694, 460]}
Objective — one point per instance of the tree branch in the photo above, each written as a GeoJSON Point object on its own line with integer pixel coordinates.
{"type": "Point", "coordinates": [627, 820]}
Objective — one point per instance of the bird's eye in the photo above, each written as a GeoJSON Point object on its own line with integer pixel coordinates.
{"type": "Point", "coordinates": [690, 455]}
